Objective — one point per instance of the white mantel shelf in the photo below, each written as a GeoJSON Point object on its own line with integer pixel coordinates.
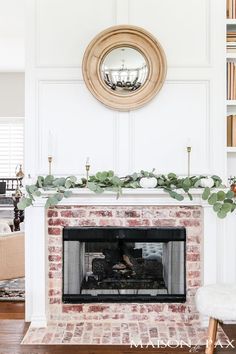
{"type": "Point", "coordinates": [129, 196]}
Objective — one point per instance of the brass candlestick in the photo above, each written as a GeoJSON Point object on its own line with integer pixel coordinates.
{"type": "Point", "coordinates": [87, 167]}
{"type": "Point", "coordinates": [189, 149]}
{"type": "Point", "coordinates": [20, 173]}
{"type": "Point", "coordinates": [49, 165]}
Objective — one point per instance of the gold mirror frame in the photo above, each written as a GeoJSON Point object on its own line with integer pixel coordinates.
{"type": "Point", "coordinates": [124, 36]}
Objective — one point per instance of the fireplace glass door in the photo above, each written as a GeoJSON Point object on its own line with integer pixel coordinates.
{"type": "Point", "coordinates": [124, 265]}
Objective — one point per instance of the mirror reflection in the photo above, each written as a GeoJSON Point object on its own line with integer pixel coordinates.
{"type": "Point", "coordinates": [124, 70]}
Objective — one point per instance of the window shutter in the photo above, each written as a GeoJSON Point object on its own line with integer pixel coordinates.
{"type": "Point", "coordinates": [11, 145]}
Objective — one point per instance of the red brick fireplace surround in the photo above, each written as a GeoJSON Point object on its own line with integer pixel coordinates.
{"type": "Point", "coordinates": [126, 216]}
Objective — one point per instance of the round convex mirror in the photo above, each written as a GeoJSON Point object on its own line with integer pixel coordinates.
{"type": "Point", "coordinates": [124, 67]}
{"type": "Point", "coordinates": [124, 70]}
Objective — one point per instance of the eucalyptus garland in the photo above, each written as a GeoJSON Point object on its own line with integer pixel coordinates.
{"type": "Point", "coordinates": [221, 199]}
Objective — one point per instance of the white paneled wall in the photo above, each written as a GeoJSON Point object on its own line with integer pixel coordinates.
{"type": "Point", "coordinates": [88, 129]}
{"type": "Point", "coordinates": [64, 28]}
{"type": "Point", "coordinates": [183, 27]}
{"type": "Point", "coordinates": [189, 105]}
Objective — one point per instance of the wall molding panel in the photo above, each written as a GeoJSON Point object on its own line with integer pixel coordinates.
{"type": "Point", "coordinates": [69, 13]}
{"type": "Point", "coordinates": [183, 28]}
{"type": "Point", "coordinates": [72, 128]}
{"type": "Point", "coordinates": [163, 147]}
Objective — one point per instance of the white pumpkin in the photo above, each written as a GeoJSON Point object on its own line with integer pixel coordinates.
{"type": "Point", "coordinates": [207, 182]}
{"type": "Point", "coordinates": [148, 182]}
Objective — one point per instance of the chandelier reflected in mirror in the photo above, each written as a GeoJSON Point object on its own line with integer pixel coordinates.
{"type": "Point", "coordinates": [124, 67]}
{"type": "Point", "coordinates": [124, 70]}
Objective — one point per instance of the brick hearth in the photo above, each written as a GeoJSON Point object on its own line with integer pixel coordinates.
{"type": "Point", "coordinates": [58, 217]}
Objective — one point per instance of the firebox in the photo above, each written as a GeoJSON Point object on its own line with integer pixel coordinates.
{"type": "Point", "coordinates": [118, 264]}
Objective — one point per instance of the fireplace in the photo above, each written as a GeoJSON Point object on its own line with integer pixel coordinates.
{"type": "Point", "coordinates": [124, 264]}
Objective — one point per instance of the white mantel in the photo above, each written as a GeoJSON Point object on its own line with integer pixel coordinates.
{"type": "Point", "coordinates": [129, 196]}
{"type": "Point", "coordinates": [216, 261]}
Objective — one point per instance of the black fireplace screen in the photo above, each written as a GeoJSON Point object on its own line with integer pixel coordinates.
{"type": "Point", "coordinates": [124, 264]}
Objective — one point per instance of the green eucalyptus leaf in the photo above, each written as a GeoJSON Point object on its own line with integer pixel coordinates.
{"type": "Point", "coordinates": [59, 196]}
{"type": "Point", "coordinates": [190, 196]}
{"type": "Point", "coordinates": [110, 173]}
{"type": "Point", "coordinates": [175, 195]}
{"type": "Point", "coordinates": [187, 183]}
{"type": "Point", "coordinates": [27, 188]}
{"type": "Point", "coordinates": [179, 197]}
{"type": "Point", "coordinates": [32, 188]}
{"type": "Point", "coordinates": [73, 179]}
{"type": "Point", "coordinates": [171, 175]}
{"type": "Point", "coordinates": [83, 180]}
{"type": "Point", "coordinates": [221, 214]}
{"type": "Point", "coordinates": [229, 194]}
{"type": "Point", "coordinates": [68, 183]}
{"type": "Point", "coordinates": [160, 182]}
{"type": "Point", "coordinates": [116, 180]}
{"type": "Point", "coordinates": [197, 184]}
{"type": "Point", "coordinates": [145, 173]}
{"type": "Point", "coordinates": [134, 185]}
{"type": "Point", "coordinates": [24, 203]}
{"type": "Point", "coordinates": [226, 207]}
{"type": "Point", "coordinates": [228, 201]}
{"type": "Point", "coordinates": [51, 201]}
{"type": "Point", "coordinates": [98, 175]}
{"type": "Point", "coordinates": [134, 176]}
{"type": "Point", "coordinates": [212, 199]}
{"type": "Point", "coordinates": [206, 193]}
{"type": "Point", "coordinates": [37, 193]}
{"type": "Point", "coordinates": [99, 190]}
{"type": "Point", "coordinates": [48, 181]}
{"type": "Point", "coordinates": [67, 194]}
{"type": "Point", "coordinates": [171, 193]}
{"type": "Point", "coordinates": [95, 187]}
{"type": "Point", "coordinates": [220, 196]}
{"type": "Point", "coordinates": [92, 186]}
{"type": "Point", "coordinates": [216, 178]}
{"type": "Point", "coordinates": [40, 181]}
{"type": "Point", "coordinates": [21, 205]}
{"type": "Point", "coordinates": [59, 182]}
{"type": "Point", "coordinates": [104, 175]}
{"type": "Point", "coordinates": [217, 207]}
{"type": "Point", "coordinates": [233, 207]}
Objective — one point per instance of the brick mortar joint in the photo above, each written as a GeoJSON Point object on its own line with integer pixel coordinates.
{"type": "Point", "coordinates": [192, 242]}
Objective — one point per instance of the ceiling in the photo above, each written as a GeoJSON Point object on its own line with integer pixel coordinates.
{"type": "Point", "coordinates": [12, 35]}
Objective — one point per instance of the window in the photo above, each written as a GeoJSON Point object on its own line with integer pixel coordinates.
{"type": "Point", "coordinates": [11, 145]}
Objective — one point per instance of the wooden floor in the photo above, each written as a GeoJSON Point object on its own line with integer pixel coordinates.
{"type": "Point", "coordinates": [13, 327]}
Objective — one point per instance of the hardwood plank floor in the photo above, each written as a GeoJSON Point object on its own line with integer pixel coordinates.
{"type": "Point", "coordinates": [12, 310]}
{"type": "Point", "coordinates": [12, 331]}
